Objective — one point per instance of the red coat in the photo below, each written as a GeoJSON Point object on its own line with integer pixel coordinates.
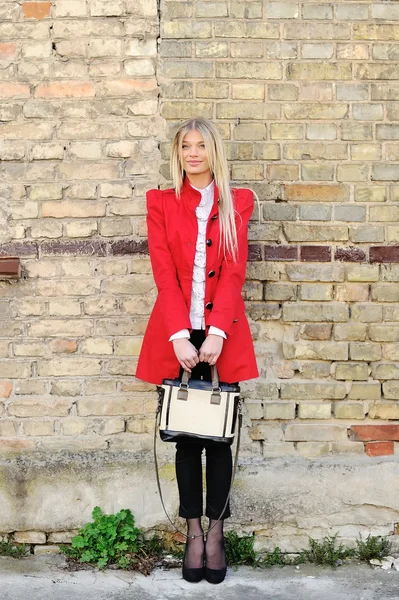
{"type": "Point", "coordinates": [172, 235]}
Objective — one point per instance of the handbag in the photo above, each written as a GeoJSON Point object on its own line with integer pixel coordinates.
{"type": "Point", "coordinates": [198, 409]}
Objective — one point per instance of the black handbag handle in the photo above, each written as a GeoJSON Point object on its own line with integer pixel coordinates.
{"type": "Point", "coordinates": [185, 378]}
{"type": "Point", "coordinates": [157, 422]}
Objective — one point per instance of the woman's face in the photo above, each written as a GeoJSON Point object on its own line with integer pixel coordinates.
{"type": "Point", "coordinates": [194, 154]}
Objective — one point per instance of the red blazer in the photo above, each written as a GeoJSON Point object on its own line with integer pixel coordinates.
{"type": "Point", "coordinates": [172, 235]}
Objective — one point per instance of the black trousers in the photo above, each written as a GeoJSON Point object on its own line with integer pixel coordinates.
{"type": "Point", "coordinates": [189, 465]}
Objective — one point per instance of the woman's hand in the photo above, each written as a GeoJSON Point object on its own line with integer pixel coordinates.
{"type": "Point", "coordinates": [211, 349]}
{"type": "Point", "coordinates": [186, 353]}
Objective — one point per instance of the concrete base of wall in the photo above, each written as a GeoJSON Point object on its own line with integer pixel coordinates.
{"type": "Point", "coordinates": [282, 501]}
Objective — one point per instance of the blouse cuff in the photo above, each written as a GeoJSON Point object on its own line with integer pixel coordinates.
{"type": "Point", "coordinates": [183, 333]}
{"type": "Point", "coordinates": [216, 331]}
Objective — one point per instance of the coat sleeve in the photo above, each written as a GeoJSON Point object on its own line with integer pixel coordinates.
{"type": "Point", "coordinates": [227, 301]}
{"type": "Point", "coordinates": [170, 296]}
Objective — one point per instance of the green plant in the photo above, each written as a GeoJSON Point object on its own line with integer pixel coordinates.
{"type": "Point", "coordinates": [109, 539]}
{"type": "Point", "coordinates": [8, 549]}
{"type": "Point", "coordinates": [372, 547]}
{"type": "Point", "coordinates": [277, 557]}
{"type": "Point", "coordinates": [240, 550]}
{"type": "Point", "coordinates": [325, 552]}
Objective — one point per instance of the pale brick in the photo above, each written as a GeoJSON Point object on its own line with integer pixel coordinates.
{"type": "Point", "coordinates": [38, 428]}
{"type": "Point", "coordinates": [384, 410]}
{"type": "Point", "coordinates": [350, 333]}
{"type": "Point", "coordinates": [316, 131]}
{"type": "Point", "coordinates": [279, 410]}
{"type": "Point", "coordinates": [352, 91]}
{"type": "Point", "coordinates": [385, 371]}
{"type": "Point", "coordinates": [316, 292]}
{"type": "Point", "coordinates": [320, 50]}
{"type": "Point", "coordinates": [384, 333]}
{"type": "Point", "coordinates": [312, 391]}
{"type": "Point", "coordinates": [112, 426]}
{"type": "Point", "coordinates": [352, 172]}
{"type": "Point", "coordinates": [29, 537]}
{"type": "Point", "coordinates": [320, 272]}
{"type": "Point", "coordinates": [242, 49]}
{"type": "Point", "coordinates": [365, 391]}
{"type": "Point", "coordinates": [385, 292]}
{"type": "Point", "coordinates": [254, 409]}
{"type": "Point", "coordinates": [314, 212]}
{"type": "Point", "coordinates": [316, 350]}
{"type": "Point", "coordinates": [362, 272]}
{"type": "Point", "coordinates": [317, 11]}
{"type": "Point", "coordinates": [304, 432]}
{"type": "Point", "coordinates": [367, 313]}
{"type": "Point", "coordinates": [286, 131]}
{"type": "Point", "coordinates": [351, 371]}
{"type": "Point", "coordinates": [110, 406]}
{"type": "Point", "coordinates": [366, 152]}
{"type": "Point", "coordinates": [283, 91]}
{"type": "Point", "coordinates": [349, 410]}
{"type": "Point", "coordinates": [314, 233]}
{"type": "Point", "coordinates": [97, 346]}
{"type": "Point", "coordinates": [246, 10]}
{"type": "Point", "coordinates": [39, 407]}
{"type": "Point", "coordinates": [248, 91]}
{"type": "Point", "coordinates": [300, 311]}
{"type": "Point", "coordinates": [367, 234]}
{"type": "Point", "coordinates": [325, 70]}
{"type": "Point", "coordinates": [314, 410]}
{"type": "Point", "coordinates": [73, 427]}
{"type": "Point", "coordinates": [313, 449]}
{"type": "Point", "coordinates": [280, 291]}
{"type": "Point", "coordinates": [282, 10]}
{"type": "Point", "coordinates": [367, 351]}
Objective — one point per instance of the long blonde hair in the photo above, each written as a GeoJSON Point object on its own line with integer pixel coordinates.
{"type": "Point", "coordinates": [220, 172]}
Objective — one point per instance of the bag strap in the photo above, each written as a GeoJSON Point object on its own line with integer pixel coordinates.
{"type": "Point", "coordinates": [185, 378]}
{"type": "Point", "coordinates": [157, 422]}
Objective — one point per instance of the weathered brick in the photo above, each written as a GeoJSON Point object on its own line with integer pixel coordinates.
{"type": "Point", "coordinates": [319, 432]}
{"type": "Point", "coordinates": [349, 410]}
{"type": "Point", "coordinates": [304, 350]}
{"type": "Point", "coordinates": [351, 371]}
{"type": "Point", "coordinates": [312, 391]}
{"type": "Point", "coordinates": [365, 391]}
{"type": "Point", "coordinates": [334, 312]}
{"type": "Point", "coordinates": [350, 332]}
{"type": "Point", "coordinates": [314, 410]}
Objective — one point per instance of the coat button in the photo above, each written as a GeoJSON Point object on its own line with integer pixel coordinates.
{"type": "Point", "coordinates": [214, 217]}
{"type": "Point", "coordinates": [235, 320]}
{"type": "Point", "coordinates": [211, 273]}
{"type": "Point", "coordinates": [209, 242]}
{"type": "Point", "coordinates": [209, 305]}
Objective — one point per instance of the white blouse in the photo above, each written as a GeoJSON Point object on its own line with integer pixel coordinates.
{"type": "Point", "coordinates": [197, 318]}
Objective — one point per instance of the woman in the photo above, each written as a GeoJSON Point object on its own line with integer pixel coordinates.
{"type": "Point", "coordinates": [197, 237]}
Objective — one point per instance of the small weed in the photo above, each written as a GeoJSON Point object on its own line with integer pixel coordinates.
{"type": "Point", "coordinates": [240, 550]}
{"type": "Point", "coordinates": [325, 552]}
{"type": "Point", "coordinates": [269, 559]}
{"type": "Point", "coordinates": [112, 539]}
{"type": "Point", "coordinates": [8, 549]}
{"type": "Point", "coordinates": [372, 547]}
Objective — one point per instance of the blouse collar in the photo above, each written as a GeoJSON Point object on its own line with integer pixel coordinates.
{"type": "Point", "coordinates": [192, 196]}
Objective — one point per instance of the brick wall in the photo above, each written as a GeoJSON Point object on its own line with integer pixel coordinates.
{"type": "Point", "coordinates": [79, 129]}
{"type": "Point", "coordinates": [306, 97]}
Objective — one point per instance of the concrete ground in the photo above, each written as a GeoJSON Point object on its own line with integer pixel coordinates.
{"type": "Point", "coordinates": [45, 578]}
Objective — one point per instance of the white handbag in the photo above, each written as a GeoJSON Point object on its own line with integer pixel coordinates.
{"type": "Point", "coordinates": [198, 409]}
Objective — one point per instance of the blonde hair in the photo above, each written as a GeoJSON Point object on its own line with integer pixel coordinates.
{"type": "Point", "coordinates": [220, 172]}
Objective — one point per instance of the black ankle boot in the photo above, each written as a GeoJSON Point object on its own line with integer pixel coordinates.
{"type": "Point", "coordinates": [190, 574]}
{"type": "Point", "coordinates": [216, 575]}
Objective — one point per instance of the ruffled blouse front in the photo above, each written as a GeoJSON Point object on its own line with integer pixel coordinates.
{"type": "Point", "coordinates": [202, 212]}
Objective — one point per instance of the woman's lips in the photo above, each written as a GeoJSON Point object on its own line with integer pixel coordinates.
{"type": "Point", "coordinates": [194, 162]}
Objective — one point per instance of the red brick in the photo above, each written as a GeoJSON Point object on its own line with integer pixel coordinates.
{"type": "Point", "coordinates": [314, 192]}
{"type": "Point", "coordinates": [16, 445]}
{"type": "Point", "coordinates": [14, 90]}
{"type": "Point", "coordinates": [5, 389]}
{"type": "Point", "coordinates": [384, 254]}
{"type": "Point", "coordinates": [36, 10]}
{"type": "Point", "coordinates": [65, 89]}
{"type": "Point", "coordinates": [367, 433]}
{"type": "Point", "coordinates": [380, 448]}
{"type": "Point", "coordinates": [350, 255]}
{"type": "Point", "coordinates": [10, 267]}
{"type": "Point", "coordinates": [63, 346]}
{"type": "Point", "coordinates": [281, 253]}
{"type": "Point", "coordinates": [315, 253]}
{"type": "Point", "coordinates": [7, 50]}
